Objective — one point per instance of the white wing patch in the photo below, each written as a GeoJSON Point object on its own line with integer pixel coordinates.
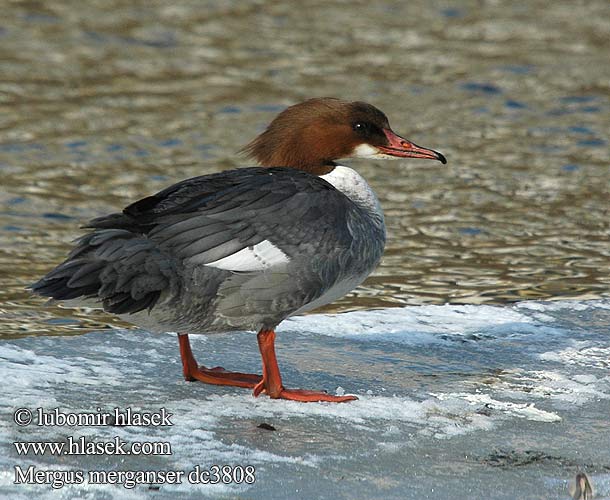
{"type": "Point", "coordinates": [259, 257]}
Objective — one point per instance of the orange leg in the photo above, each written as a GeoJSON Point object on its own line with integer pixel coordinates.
{"type": "Point", "coordinates": [271, 383]}
{"type": "Point", "coordinates": [218, 376]}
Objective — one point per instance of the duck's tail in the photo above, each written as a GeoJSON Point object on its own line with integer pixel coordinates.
{"type": "Point", "coordinates": [122, 271]}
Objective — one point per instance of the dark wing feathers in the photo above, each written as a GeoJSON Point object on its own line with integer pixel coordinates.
{"type": "Point", "coordinates": [131, 258]}
{"type": "Point", "coordinates": [285, 206]}
{"type": "Point", "coordinates": [126, 272]}
{"type": "Point", "coordinates": [188, 195]}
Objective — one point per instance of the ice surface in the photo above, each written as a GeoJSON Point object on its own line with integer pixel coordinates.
{"type": "Point", "coordinates": [455, 402]}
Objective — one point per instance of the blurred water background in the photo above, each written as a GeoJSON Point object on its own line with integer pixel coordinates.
{"type": "Point", "coordinates": [103, 102]}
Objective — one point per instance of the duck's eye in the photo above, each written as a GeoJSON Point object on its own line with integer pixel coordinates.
{"type": "Point", "coordinates": [361, 127]}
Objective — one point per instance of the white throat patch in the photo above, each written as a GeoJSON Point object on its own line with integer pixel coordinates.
{"type": "Point", "coordinates": [365, 151]}
{"type": "Point", "coordinates": [371, 152]}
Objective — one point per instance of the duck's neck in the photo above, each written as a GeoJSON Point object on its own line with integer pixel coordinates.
{"type": "Point", "coordinates": [353, 185]}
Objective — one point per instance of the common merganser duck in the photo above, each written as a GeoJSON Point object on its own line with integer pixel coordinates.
{"type": "Point", "coordinates": [245, 249]}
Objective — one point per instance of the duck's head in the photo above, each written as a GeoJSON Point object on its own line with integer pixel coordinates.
{"type": "Point", "coordinates": [313, 134]}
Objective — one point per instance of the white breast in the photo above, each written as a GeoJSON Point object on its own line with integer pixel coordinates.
{"type": "Point", "coordinates": [353, 185]}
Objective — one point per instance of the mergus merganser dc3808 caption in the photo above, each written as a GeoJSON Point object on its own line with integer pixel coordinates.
{"type": "Point", "coordinates": [245, 249]}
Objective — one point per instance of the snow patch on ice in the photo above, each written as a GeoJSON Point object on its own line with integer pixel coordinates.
{"type": "Point", "coordinates": [425, 324]}
{"type": "Point", "coordinates": [520, 410]}
{"type": "Point", "coordinates": [582, 354]}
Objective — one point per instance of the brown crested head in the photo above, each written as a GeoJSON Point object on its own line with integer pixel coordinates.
{"type": "Point", "coordinates": [313, 134]}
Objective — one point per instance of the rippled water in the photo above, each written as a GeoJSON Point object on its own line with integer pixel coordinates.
{"type": "Point", "coordinates": [105, 102]}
